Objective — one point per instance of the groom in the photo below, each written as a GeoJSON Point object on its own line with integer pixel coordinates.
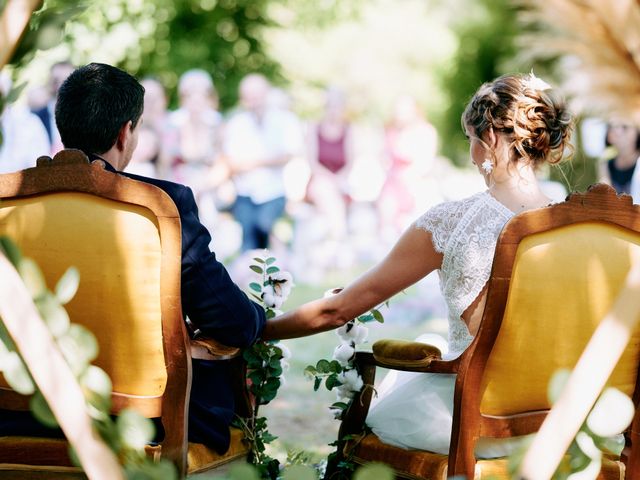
{"type": "Point", "coordinates": [99, 111]}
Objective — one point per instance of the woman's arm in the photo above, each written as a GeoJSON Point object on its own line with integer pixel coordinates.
{"type": "Point", "coordinates": [412, 257]}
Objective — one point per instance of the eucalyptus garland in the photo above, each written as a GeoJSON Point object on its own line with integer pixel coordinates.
{"type": "Point", "coordinates": [265, 363]}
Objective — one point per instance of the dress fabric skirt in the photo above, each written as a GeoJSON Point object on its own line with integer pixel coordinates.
{"type": "Point", "coordinates": [415, 411]}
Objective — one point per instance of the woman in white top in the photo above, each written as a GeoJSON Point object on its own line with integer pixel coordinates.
{"type": "Point", "coordinates": [514, 124]}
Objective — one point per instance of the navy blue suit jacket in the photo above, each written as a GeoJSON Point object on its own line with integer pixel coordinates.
{"type": "Point", "coordinates": [219, 309]}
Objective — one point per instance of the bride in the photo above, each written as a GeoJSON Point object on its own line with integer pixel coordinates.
{"type": "Point", "coordinates": [514, 124]}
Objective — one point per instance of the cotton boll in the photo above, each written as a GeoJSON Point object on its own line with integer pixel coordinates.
{"type": "Point", "coordinates": [612, 413]}
{"type": "Point", "coordinates": [351, 379]}
{"type": "Point", "coordinates": [270, 298]}
{"type": "Point", "coordinates": [281, 282]}
{"type": "Point", "coordinates": [286, 353]}
{"type": "Point", "coordinates": [352, 332]}
{"type": "Point", "coordinates": [343, 353]}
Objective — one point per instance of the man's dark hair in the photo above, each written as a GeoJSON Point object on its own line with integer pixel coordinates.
{"type": "Point", "coordinates": [93, 104]}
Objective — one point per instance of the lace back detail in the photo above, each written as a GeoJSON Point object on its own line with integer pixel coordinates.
{"type": "Point", "coordinates": [465, 232]}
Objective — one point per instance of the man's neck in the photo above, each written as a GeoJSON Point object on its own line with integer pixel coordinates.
{"type": "Point", "coordinates": [113, 158]}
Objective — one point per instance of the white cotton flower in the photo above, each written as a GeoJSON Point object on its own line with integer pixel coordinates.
{"type": "Point", "coordinates": [286, 353]}
{"type": "Point", "coordinates": [351, 380]}
{"type": "Point", "coordinates": [344, 393]}
{"type": "Point", "coordinates": [612, 413]}
{"type": "Point", "coordinates": [270, 298]}
{"type": "Point", "coordinates": [282, 282]}
{"type": "Point", "coordinates": [353, 332]}
{"type": "Point", "coordinates": [343, 353]}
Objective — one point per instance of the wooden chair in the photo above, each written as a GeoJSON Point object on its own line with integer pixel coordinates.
{"type": "Point", "coordinates": [124, 238]}
{"type": "Point", "coordinates": [556, 273]}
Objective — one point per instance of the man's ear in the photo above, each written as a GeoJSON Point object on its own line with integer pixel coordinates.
{"type": "Point", "coordinates": [123, 135]}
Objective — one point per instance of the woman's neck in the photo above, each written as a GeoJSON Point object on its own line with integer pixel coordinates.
{"type": "Point", "coordinates": [519, 191]}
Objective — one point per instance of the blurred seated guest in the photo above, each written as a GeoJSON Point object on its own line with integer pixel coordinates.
{"type": "Point", "coordinates": [411, 143]}
{"type": "Point", "coordinates": [620, 171]}
{"type": "Point", "coordinates": [197, 123]}
{"type": "Point", "coordinates": [330, 153]}
{"type": "Point", "coordinates": [23, 138]}
{"type": "Point", "coordinates": [258, 142]}
{"type": "Point", "coordinates": [156, 118]}
{"type": "Point", "coordinates": [57, 74]}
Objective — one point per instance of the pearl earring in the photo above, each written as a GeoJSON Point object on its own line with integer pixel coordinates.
{"type": "Point", "coordinates": [487, 166]}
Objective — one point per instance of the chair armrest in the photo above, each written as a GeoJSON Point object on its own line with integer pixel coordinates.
{"type": "Point", "coordinates": [210, 349]}
{"type": "Point", "coordinates": [411, 357]}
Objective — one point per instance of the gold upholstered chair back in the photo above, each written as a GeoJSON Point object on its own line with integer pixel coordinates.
{"type": "Point", "coordinates": [563, 283]}
{"type": "Point", "coordinates": [124, 238]}
{"type": "Point", "coordinates": [556, 273]}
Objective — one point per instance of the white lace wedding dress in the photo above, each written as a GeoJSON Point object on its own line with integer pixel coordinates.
{"type": "Point", "coordinates": [414, 410]}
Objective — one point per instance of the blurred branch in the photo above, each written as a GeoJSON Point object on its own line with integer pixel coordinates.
{"type": "Point", "coordinates": [13, 22]}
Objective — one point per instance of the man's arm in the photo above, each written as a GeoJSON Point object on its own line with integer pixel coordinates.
{"type": "Point", "coordinates": [214, 304]}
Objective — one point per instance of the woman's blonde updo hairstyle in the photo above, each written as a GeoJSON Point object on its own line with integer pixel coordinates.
{"type": "Point", "coordinates": [525, 109]}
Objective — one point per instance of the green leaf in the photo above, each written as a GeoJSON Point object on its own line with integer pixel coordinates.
{"type": "Point", "coordinates": [268, 437]}
{"type": "Point", "coordinates": [269, 314]}
{"type": "Point", "coordinates": [557, 383]}
{"type": "Point", "coordinates": [73, 456]}
{"type": "Point", "coordinates": [11, 250]}
{"type": "Point", "coordinates": [53, 314]}
{"type": "Point", "coordinates": [32, 277]}
{"type": "Point", "coordinates": [258, 259]}
{"type": "Point", "coordinates": [377, 315]}
{"type": "Point", "coordinates": [256, 269]}
{"type": "Point", "coordinates": [97, 383]}
{"type": "Point", "coordinates": [41, 411]}
{"type": "Point", "coordinates": [374, 471]}
{"type": "Point", "coordinates": [299, 472]}
{"type": "Point", "coordinates": [79, 347]}
{"type": "Point", "coordinates": [275, 370]}
{"type": "Point", "coordinates": [310, 371]}
{"type": "Point", "coordinates": [323, 366]}
{"type": "Point", "coordinates": [270, 260]}
{"type": "Point", "coordinates": [316, 384]}
{"type": "Point", "coordinates": [135, 430]}
{"type": "Point", "coordinates": [256, 288]}
{"type": "Point", "coordinates": [334, 366]}
{"type": "Point", "coordinates": [16, 374]}
{"type": "Point", "coordinates": [340, 405]}
{"type": "Point", "coordinates": [67, 286]}
{"type": "Point", "coordinates": [366, 318]}
{"type": "Point", "coordinates": [271, 270]}
{"type": "Point", "coordinates": [5, 338]}
{"type": "Point", "coordinates": [332, 381]}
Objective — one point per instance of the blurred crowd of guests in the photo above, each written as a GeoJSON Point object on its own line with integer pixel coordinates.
{"type": "Point", "coordinates": [312, 191]}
